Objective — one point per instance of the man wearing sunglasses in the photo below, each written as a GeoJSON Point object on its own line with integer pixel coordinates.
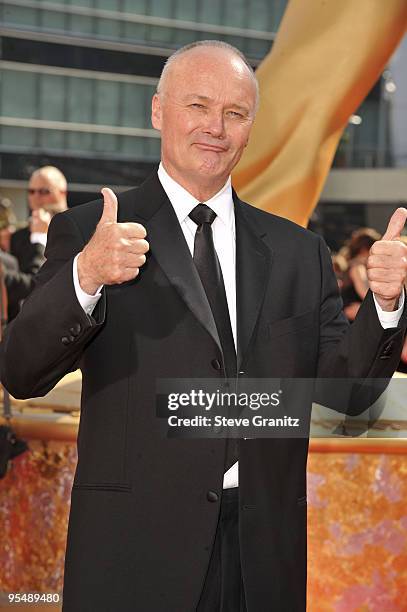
{"type": "Point", "coordinates": [46, 192]}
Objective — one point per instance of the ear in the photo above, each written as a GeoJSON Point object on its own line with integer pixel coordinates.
{"type": "Point", "coordinates": [156, 112]}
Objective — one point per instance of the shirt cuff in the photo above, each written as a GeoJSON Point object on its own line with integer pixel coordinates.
{"type": "Point", "coordinates": [390, 319]}
{"type": "Point", "coordinates": [38, 238]}
{"type": "Point", "coordinates": [88, 302]}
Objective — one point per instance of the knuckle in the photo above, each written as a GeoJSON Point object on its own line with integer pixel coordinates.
{"type": "Point", "coordinates": [118, 276]}
{"type": "Point", "coordinates": [142, 230]}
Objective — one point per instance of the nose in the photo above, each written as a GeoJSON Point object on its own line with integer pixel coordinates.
{"type": "Point", "coordinates": [215, 124]}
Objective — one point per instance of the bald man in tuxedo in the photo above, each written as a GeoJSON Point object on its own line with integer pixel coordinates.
{"type": "Point", "coordinates": [181, 279]}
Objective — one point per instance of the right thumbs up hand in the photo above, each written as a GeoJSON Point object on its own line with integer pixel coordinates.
{"type": "Point", "coordinates": [116, 251]}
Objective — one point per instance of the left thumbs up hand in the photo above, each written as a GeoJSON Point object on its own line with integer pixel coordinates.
{"type": "Point", "coordinates": [387, 263]}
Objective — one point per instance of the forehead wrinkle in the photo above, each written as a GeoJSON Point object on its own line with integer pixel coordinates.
{"type": "Point", "coordinates": [204, 59]}
{"type": "Point", "coordinates": [207, 63]}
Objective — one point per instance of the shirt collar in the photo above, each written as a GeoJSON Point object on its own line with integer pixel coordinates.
{"type": "Point", "coordinates": [183, 202]}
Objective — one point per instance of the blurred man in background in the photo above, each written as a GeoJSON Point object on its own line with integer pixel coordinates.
{"type": "Point", "coordinates": [47, 190]}
{"type": "Point", "coordinates": [8, 263]}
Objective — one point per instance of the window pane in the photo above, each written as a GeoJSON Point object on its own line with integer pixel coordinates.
{"type": "Point", "coordinates": [152, 148]}
{"type": "Point", "coordinates": [79, 100]}
{"type": "Point", "coordinates": [133, 105]}
{"type": "Point", "coordinates": [236, 41]}
{"type": "Point", "coordinates": [161, 8]}
{"type": "Point", "coordinates": [107, 102]}
{"type": "Point", "coordinates": [80, 24]}
{"type": "Point", "coordinates": [52, 20]}
{"type": "Point", "coordinates": [279, 7]}
{"type": "Point", "coordinates": [210, 11]}
{"type": "Point", "coordinates": [160, 34]}
{"type": "Point", "coordinates": [109, 5]}
{"type": "Point", "coordinates": [136, 6]}
{"type": "Point", "coordinates": [258, 48]}
{"type": "Point", "coordinates": [19, 15]}
{"type": "Point", "coordinates": [132, 146]}
{"type": "Point", "coordinates": [258, 15]}
{"type": "Point", "coordinates": [108, 27]}
{"type": "Point", "coordinates": [135, 32]}
{"type": "Point", "coordinates": [183, 37]}
{"type": "Point", "coordinates": [366, 134]}
{"type": "Point", "coordinates": [51, 139]}
{"type": "Point", "coordinates": [235, 13]}
{"type": "Point", "coordinates": [79, 141]}
{"type": "Point", "coordinates": [186, 10]}
{"type": "Point", "coordinates": [18, 137]}
{"type": "Point", "coordinates": [51, 97]}
{"type": "Point", "coordinates": [106, 143]}
{"type": "Point", "coordinates": [19, 94]}
{"type": "Point", "coordinates": [88, 3]}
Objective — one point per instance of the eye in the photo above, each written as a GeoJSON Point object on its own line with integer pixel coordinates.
{"type": "Point", "coordinates": [197, 105]}
{"type": "Point", "coordinates": [235, 114]}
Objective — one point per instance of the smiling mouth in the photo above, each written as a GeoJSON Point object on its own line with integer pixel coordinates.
{"type": "Point", "coordinates": [209, 147]}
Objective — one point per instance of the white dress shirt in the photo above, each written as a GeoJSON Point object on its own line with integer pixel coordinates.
{"type": "Point", "coordinates": [38, 238]}
{"type": "Point", "coordinates": [224, 238]}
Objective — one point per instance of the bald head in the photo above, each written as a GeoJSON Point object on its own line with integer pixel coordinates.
{"type": "Point", "coordinates": [53, 175]}
{"type": "Point", "coordinates": [47, 189]}
{"type": "Point", "coordinates": [192, 56]}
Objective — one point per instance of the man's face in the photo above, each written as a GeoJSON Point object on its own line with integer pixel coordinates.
{"type": "Point", "coordinates": [204, 113]}
{"type": "Point", "coordinates": [42, 193]}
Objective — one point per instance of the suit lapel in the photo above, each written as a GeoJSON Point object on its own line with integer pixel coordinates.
{"type": "Point", "coordinates": [253, 262]}
{"type": "Point", "coordinates": [169, 248]}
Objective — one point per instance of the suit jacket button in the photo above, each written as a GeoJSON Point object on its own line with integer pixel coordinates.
{"type": "Point", "coordinates": [65, 340]}
{"type": "Point", "coordinates": [387, 350]}
{"type": "Point", "coordinates": [76, 329]}
{"type": "Point", "coordinates": [212, 496]}
{"type": "Point", "coordinates": [216, 364]}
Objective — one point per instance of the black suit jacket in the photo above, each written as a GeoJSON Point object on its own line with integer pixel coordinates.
{"type": "Point", "coordinates": [142, 523]}
{"type": "Point", "coordinates": [20, 282]}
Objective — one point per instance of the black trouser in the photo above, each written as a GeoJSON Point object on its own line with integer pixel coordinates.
{"type": "Point", "coordinates": [223, 590]}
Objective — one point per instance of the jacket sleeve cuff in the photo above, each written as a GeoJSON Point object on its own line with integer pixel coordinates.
{"type": "Point", "coordinates": [88, 302]}
{"type": "Point", "coordinates": [390, 319]}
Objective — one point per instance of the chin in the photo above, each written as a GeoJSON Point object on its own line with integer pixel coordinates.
{"type": "Point", "coordinates": [211, 169]}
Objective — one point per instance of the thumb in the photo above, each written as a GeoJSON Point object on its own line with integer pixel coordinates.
{"type": "Point", "coordinates": [396, 224]}
{"type": "Point", "coordinates": [109, 214]}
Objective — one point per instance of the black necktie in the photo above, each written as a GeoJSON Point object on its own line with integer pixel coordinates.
{"type": "Point", "coordinates": [207, 264]}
